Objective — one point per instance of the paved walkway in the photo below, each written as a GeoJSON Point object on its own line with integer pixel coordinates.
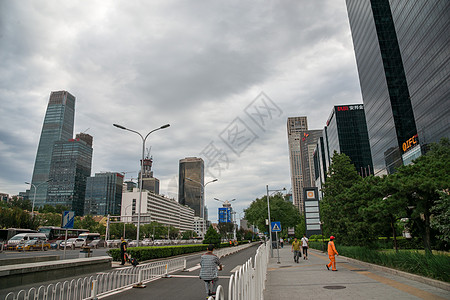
{"type": "Point", "coordinates": [310, 279]}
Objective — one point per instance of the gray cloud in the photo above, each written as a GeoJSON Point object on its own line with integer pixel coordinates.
{"type": "Point", "coordinates": [195, 65]}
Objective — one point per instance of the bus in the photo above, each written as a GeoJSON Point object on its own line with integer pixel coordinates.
{"type": "Point", "coordinates": [58, 233]}
{"type": "Point", "coordinates": [7, 234]}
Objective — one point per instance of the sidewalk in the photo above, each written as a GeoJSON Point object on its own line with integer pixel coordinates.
{"type": "Point", "coordinates": [310, 279]}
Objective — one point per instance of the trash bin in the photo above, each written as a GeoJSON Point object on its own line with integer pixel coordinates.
{"type": "Point", "coordinates": [85, 252]}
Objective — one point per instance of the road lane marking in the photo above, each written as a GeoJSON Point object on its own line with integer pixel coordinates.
{"type": "Point", "coordinates": [194, 268]}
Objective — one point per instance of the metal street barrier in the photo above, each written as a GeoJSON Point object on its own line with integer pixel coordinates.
{"type": "Point", "coordinates": [248, 282]}
{"type": "Point", "coordinates": [104, 283]}
{"type": "Point", "coordinates": [100, 284]}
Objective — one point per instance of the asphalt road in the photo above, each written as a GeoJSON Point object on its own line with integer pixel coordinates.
{"type": "Point", "coordinates": [186, 285]}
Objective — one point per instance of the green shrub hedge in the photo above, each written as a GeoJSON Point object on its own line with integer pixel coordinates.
{"type": "Point", "coordinates": [154, 252]}
{"type": "Point", "coordinates": [436, 266]}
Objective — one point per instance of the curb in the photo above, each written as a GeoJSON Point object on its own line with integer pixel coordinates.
{"type": "Point", "coordinates": [433, 282]}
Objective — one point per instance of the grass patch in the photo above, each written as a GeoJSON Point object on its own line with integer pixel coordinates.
{"type": "Point", "coordinates": [436, 266]}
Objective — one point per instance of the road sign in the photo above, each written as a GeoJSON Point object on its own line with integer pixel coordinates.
{"type": "Point", "coordinates": [276, 226]}
{"type": "Point", "coordinates": [68, 218]}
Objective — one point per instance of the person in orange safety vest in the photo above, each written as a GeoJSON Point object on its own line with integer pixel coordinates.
{"type": "Point", "coordinates": [331, 252]}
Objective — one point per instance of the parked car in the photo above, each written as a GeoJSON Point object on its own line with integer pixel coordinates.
{"type": "Point", "coordinates": [96, 244]}
{"type": "Point", "coordinates": [56, 244]}
{"type": "Point", "coordinates": [112, 243]}
{"type": "Point", "coordinates": [132, 243]}
{"type": "Point", "coordinates": [73, 243]}
{"type": "Point", "coordinates": [36, 244]}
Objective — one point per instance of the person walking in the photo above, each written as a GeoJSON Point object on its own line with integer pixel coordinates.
{"type": "Point", "coordinates": [281, 242]}
{"type": "Point", "coordinates": [296, 249]}
{"type": "Point", "coordinates": [305, 246]}
{"type": "Point", "coordinates": [210, 264]}
{"type": "Point", "coordinates": [331, 253]}
{"type": "Point", "coordinates": [123, 251]}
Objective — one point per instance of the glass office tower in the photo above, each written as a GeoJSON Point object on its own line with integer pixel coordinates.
{"type": "Point", "coordinates": [58, 126]}
{"type": "Point", "coordinates": [402, 53]}
{"type": "Point", "coordinates": [191, 187]}
{"type": "Point", "coordinates": [103, 194]}
{"type": "Point", "coordinates": [347, 133]}
{"type": "Point", "coordinates": [69, 169]}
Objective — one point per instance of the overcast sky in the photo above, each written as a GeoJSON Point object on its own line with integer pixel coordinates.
{"type": "Point", "coordinates": [226, 75]}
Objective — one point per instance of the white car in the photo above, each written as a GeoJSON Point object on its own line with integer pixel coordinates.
{"type": "Point", "coordinates": [73, 243]}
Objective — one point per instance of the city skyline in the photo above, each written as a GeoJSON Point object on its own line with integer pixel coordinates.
{"type": "Point", "coordinates": [296, 58]}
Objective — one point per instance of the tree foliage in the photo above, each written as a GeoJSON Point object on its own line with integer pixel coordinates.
{"type": "Point", "coordinates": [280, 210]}
{"type": "Point", "coordinates": [358, 210]}
{"type": "Point", "coordinates": [212, 237]}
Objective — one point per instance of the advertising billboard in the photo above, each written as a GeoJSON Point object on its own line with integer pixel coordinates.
{"type": "Point", "coordinates": [224, 215]}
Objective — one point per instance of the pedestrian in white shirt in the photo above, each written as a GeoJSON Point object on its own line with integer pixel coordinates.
{"type": "Point", "coordinates": [305, 246]}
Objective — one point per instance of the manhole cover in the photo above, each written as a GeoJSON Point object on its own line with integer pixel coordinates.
{"type": "Point", "coordinates": [334, 287]}
{"type": "Point", "coordinates": [359, 270]}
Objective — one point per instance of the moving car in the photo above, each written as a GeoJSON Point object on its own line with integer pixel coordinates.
{"type": "Point", "coordinates": [73, 243]}
{"type": "Point", "coordinates": [37, 244]}
{"type": "Point", "coordinates": [96, 244]}
{"type": "Point", "coordinates": [22, 238]}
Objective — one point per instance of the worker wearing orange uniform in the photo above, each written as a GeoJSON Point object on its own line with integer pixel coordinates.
{"type": "Point", "coordinates": [331, 252]}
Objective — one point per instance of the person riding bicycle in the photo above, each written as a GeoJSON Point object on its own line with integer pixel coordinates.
{"type": "Point", "coordinates": [210, 264]}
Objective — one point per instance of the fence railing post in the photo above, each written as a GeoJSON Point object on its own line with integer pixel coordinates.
{"type": "Point", "coordinates": [94, 289]}
{"type": "Point", "coordinates": [139, 284]}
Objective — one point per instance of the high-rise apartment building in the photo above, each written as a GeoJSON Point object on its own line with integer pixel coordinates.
{"type": "Point", "coordinates": [69, 169]}
{"type": "Point", "coordinates": [103, 194]}
{"type": "Point", "coordinates": [191, 184]}
{"type": "Point", "coordinates": [58, 126]}
{"type": "Point", "coordinates": [401, 49]}
{"type": "Point", "coordinates": [301, 143]}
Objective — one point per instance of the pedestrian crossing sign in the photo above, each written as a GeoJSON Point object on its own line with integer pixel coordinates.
{"type": "Point", "coordinates": [276, 226]}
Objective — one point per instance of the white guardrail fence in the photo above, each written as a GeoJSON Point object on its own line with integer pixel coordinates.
{"type": "Point", "coordinates": [104, 283]}
{"type": "Point", "coordinates": [248, 282]}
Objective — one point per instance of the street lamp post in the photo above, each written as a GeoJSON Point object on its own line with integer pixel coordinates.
{"type": "Point", "coordinates": [270, 224]}
{"type": "Point", "coordinates": [203, 196]}
{"type": "Point", "coordinates": [142, 170]}
{"type": "Point", "coordinates": [125, 213]}
{"type": "Point", "coordinates": [34, 197]}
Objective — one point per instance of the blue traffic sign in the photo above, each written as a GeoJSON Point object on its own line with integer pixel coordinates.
{"type": "Point", "coordinates": [276, 226]}
{"type": "Point", "coordinates": [68, 218]}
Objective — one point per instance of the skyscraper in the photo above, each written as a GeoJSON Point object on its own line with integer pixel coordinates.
{"type": "Point", "coordinates": [103, 194]}
{"type": "Point", "coordinates": [295, 128]}
{"type": "Point", "coordinates": [301, 143]}
{"type": "Point", "coordinates": [69, 169]}
{"type": "Point", "coordinates": [58, 126]}
{"type": "Point", "coordinates": [347, 133]}
{"type": "Point", "coordinates": [191, 183]}
{"type": "Point", "coordinates": [401, 49]}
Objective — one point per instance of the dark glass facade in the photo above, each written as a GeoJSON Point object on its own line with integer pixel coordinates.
{"type": "Point", "coordinates": [190, 192]}
{"type": "Point", "coordinates": [402, 53]}
{"type": "Point", "coordinates": [103, 194]}
{"type": "Point", "coordinates": [70, 167]}
{"type": "Point", "coordinates": [58, 126]}
{"type": "Point", "coordinates": [347, 133]}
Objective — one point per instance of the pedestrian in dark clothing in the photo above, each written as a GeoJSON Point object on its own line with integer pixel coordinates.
{"type": "Point", "coordinates": [123, 251]}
